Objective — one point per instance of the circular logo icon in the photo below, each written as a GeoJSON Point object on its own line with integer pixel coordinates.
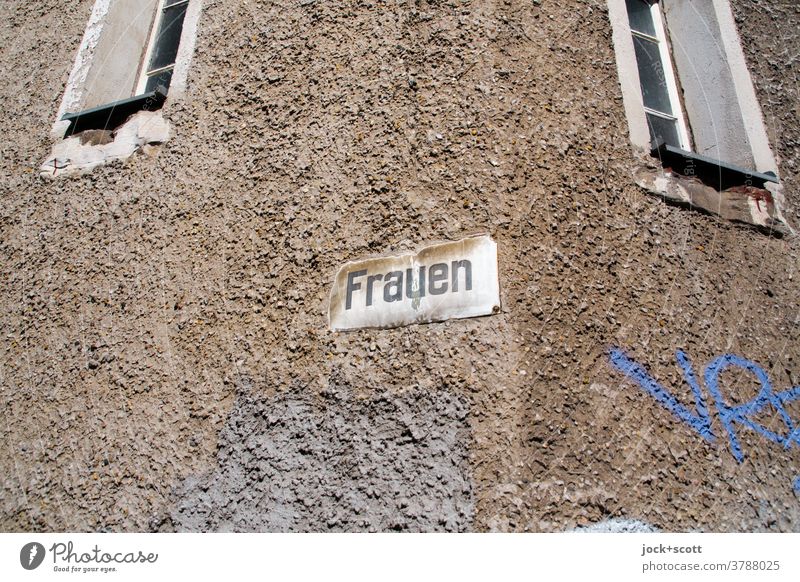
{"type": "Point", "coordinates": [31, 555]}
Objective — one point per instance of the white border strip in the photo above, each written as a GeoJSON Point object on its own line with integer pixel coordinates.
{"type": "Point", "coordinates": [745, 92]}
{"type": "Point", "coordinates": [183, 60]}
{"type": "Point", "coordinates": [83, 62]}
{"type": "Point", "coordinates": [391, 557]}
{"type": "Point", "coordinates": [628, 74]}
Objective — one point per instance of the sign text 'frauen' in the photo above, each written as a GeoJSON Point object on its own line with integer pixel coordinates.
{"type": "Point", "coordinates": [444, 281]}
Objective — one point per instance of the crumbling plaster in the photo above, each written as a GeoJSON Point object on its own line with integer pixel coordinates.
{"type": "Point", "coordinates": [74, 155]}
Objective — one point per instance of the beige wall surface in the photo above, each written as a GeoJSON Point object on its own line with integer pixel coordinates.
{"type": "Point", "coordinates": [166, 362]}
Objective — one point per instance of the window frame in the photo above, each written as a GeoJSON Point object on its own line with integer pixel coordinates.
{"type": "Point", "coordinates": [661, 39]}
{"type": "Point", "coordinates": [734, 168]}
{"type": "Point", "coordinates": [728, 54]}
{"type": "Point", "coordinates": [145, 73]}
{"type": "Point", "coordinates": [76, 90]}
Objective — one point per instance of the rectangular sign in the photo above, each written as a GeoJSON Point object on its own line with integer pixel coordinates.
{"type": "Point", "coordinates": [445, 281]}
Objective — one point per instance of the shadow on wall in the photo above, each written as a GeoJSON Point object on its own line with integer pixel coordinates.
{"type": "Point", "coordinates": [297, 462]}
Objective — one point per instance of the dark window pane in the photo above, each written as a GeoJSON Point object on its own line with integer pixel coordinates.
{"type": "Point", "coordinates": [665, 130]}
{"type": "Point", "coordinates": [165, 47]}
{"type": "Point", "coordinates": [171, 2]}
{"type": "Point", "coordinates": [651, 75]}
{"type": "Point", "coordinates": [640, 17]}
{"type": "Point", "coordinates": [161, 79]}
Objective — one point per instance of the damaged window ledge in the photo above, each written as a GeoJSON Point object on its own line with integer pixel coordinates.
{"type": "Point", "coordinates": [112, 115]}
{"type": "Point", "coordinates": [82, 152]}
{"type": "Point", "coordinates": [757, 201]}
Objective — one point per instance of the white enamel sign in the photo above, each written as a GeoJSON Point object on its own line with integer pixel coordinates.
{"type": "Point", "coordinates": [444, 281]}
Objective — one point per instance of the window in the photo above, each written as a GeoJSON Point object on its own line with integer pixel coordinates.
{"type": "Point", "coordinates": [135, 36]}
{"type": "Point", "coordinates": [691, 108]}
{"type": "Point", "coordinates": [662, 105]}
{"type": "Point", "coordinates": [163, 47]}
{"type": "Point", "coordinates": [130, 49]}
{"type": "Point", "coordinates": [133, 52]}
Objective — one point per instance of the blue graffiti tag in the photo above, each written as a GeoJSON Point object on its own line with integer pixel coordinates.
{"type": "Point", "coordinates": [700, 419]}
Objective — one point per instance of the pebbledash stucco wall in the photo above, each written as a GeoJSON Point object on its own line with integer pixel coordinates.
{"type": "Point", "coordinates": [166, 362]}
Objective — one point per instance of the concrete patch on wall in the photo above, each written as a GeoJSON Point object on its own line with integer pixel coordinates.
{"type": "Point", "coordinates": [82, 153]}
{"type": "Point", "coordinates": [336, 463]}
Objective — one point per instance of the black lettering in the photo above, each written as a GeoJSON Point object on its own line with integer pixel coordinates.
{"type": "Point", "coordinates": [352, 286]}
{"type": "Point", "coordinates": [467, 266]}
{"type": "Point", "coordinates": [397, 284]}
{"type": "Point", "coordinates": [439, 274]}
{"type": "Point", "coordinates": [370, 282]}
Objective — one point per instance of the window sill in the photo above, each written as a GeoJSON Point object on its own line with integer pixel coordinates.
{"type": "Point", "coordinates": [745, 203]}
{"type": "Point", "coordinates": [112, 115]}
{"type": "Point", "coordinates": [713, 173]}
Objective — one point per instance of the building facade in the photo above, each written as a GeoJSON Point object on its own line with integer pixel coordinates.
{"type": "Point", "coordinates": [168, 363]}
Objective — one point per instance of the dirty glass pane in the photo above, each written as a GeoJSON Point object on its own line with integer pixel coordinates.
{"type": "Point", "coordinates": [163, 79]}
{"type": "Point", "coordinates": [651, 75]}
{"type": "Point", "coordinates": [165, 47]}
{"type": "Point", "coordinates": [665, 130]}
{"type": "Point", "coordinates": [640, 17]}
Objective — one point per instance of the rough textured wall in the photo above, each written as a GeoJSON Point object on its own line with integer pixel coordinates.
{"type": "Point", "coordinates": [389, 462]}
{"type": "Point", "coordinates": [770, 39]}
{"type": "Point", "coordinates": [160, 316]}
